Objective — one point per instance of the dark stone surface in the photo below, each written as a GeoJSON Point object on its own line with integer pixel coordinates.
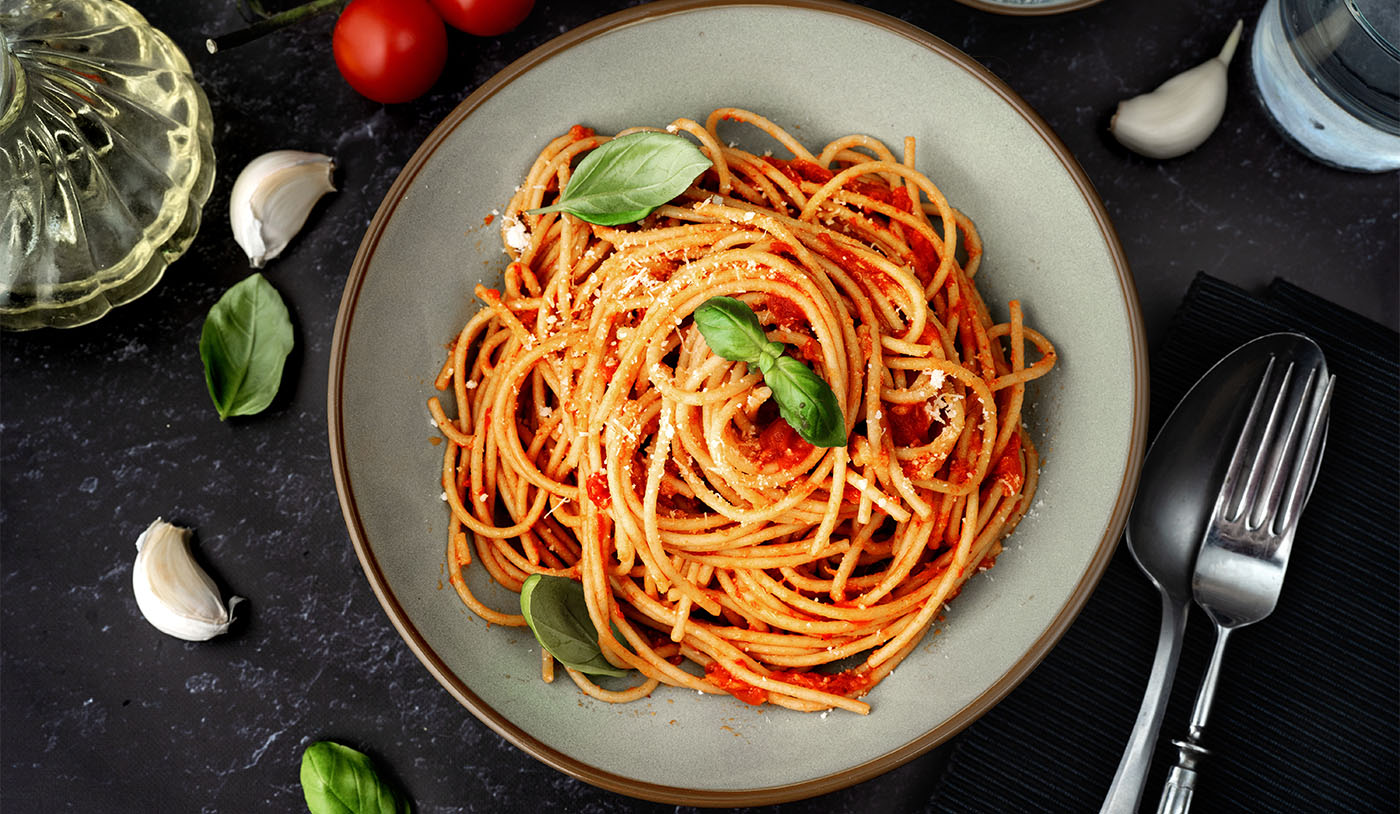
{"type": "Point", "coordinates": [108, 426]}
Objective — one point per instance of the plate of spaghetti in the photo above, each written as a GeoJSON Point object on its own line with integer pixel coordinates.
{"type": "Point", "coordinates": [721, 440]}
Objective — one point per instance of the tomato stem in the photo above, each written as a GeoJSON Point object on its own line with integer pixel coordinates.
{"type": "Point", "coordinates": [276, 22]}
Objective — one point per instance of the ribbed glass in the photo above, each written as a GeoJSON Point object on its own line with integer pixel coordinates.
{"type": "Point", "coordinates": [105, 159]}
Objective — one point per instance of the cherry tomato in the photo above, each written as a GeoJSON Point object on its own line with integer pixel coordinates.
{"type": "Point", "coordinates": [484, 18]}
{"type": "Point", "coordinates": [390, 50]}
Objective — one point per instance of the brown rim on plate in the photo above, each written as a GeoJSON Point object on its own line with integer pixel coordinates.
{"type": "Point", "coordinates": [1029, 9]}
{"type": "Point", "coordinates": [900, 754]}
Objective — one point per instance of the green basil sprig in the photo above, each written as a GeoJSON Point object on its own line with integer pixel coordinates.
{"type": "Point", "coordinates": [805, 401]}
{"type": "Point", "coordinates": [557, 613]}
{"type": "Point", "coordinates": [625, 179]}
{"type": "Point", "coordinates": [244, 344]}
{"type": "Point", "coordinates": [339, 780]}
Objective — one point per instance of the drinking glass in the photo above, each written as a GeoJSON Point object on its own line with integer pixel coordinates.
{"type": "Point", "coordinates": [1328, 73]}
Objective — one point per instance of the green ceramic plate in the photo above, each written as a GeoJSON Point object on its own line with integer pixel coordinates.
{"type": "Point", "coordinates": [822, 70]}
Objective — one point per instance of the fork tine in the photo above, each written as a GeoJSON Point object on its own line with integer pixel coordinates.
{"type": "Point", "coordinates": [1306, 470]}
{"type": "Point", "coordinates": [1231, 488]}
{"type": "Point", "coordinates": [1282, 461]}
{"type": "Point", "coordinates": [1266, 455]}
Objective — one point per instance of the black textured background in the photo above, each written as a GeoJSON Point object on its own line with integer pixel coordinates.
{"type": "Point", "coordinates": [105, 427]}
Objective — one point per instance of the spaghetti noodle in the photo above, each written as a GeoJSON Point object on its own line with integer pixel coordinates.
{"type": "Point", "coordinates": [598, 438]}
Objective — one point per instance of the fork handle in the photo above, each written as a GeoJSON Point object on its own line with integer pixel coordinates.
{"type": "Point", "coordinates": [1181, 782]}
{"type": "Point", "coordinates": [1206, 695]}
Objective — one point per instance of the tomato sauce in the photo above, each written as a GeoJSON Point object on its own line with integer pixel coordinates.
{"type": "Point", "coordinates": [798, 170]}
{"type": "Point", "coordinates": [883, 194]}
{"type": "Point", "coordinates": [780, 445]}
{"type": "Point", "coordinates": [1008, 470]}
{"type": "Point", "coordinates": [787, 313]}
{"type": "Point", "coordinates": [598, 492]}
{"type": "Point", "coordinates": [846, 682]}
{"type": "Point", "coordinates": [959, 471]}
{"type": "Point", "coordinates": [781, 248]}
{"type": "Point", "coordinates": [910, 423]}
{"type": "Point", "coordinates": [578, 133]}
{"type": "Point", "coordinates": [926, 259]}
{"type": "Point", "coordinates": [852, 263]}
{"type": "Point", "coordinates": [725, 680]}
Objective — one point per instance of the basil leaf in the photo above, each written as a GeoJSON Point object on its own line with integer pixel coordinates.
{"type": "Point", "coordinates": [731, 329]}
{"type": "Point", "coordinates": [339, 780]}
{"type": "Point", "coordinates": [555, 610]}
{"type": "Point", "coordinates": [624, 180]}
{"type": "Point", "coordinates": [244, 344]}
{"type": "Point", "coordinates": [805, 401]}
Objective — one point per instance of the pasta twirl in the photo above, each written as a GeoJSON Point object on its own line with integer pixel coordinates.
{"type": "Point", "coordinates": [598, 438]}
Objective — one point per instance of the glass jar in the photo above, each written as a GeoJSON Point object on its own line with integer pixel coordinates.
{"type": "Point", "coordinates": [106, 159]}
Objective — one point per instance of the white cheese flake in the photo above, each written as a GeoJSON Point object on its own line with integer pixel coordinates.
{"type": "Point", "coordinates": [517, 236]}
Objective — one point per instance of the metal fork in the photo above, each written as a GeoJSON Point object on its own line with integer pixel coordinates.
{"type": "Point", "coordinates": [1244, 553]}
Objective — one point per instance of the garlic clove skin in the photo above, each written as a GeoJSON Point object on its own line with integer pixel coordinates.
{"type": "Point", "coordinates": [1179, 115]}
{"type": "Point", "coordinates": [172, 591]}
{"type": "Point", "coordinates": [272, 198]}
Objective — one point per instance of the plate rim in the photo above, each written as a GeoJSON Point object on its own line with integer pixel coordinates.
{"type": "Point", "coordinates": [1040, 10]}
{"type": "Point", "coordinates": [897, 756]}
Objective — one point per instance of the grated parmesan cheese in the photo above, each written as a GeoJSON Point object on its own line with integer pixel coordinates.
{"type": "Point", "coordinates": [517, 236]}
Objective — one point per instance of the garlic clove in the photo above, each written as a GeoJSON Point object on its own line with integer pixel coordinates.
{"type": "Point", "coordinates": [1179, 115]}
{"type": "Point", "coordinates": [272, 198]}
{"type": "Point", "coordinates": [172, 591]}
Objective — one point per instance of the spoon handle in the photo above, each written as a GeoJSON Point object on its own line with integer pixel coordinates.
{"type": "Point", "coordinates": [1126, 791]}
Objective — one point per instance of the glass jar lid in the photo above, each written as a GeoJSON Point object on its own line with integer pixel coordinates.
{"type": "Point", "coordinates": [106, 159]}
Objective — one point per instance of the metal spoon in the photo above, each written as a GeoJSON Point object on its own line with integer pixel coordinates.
{"type": "Point", "coordinates": [1180, 479]}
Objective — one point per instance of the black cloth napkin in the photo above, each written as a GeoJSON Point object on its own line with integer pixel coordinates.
{"type": "Point", "coordinates": [1305, 718]}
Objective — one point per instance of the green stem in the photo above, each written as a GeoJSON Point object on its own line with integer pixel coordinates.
{"type": "Point", "coordinates": [276, 22]}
